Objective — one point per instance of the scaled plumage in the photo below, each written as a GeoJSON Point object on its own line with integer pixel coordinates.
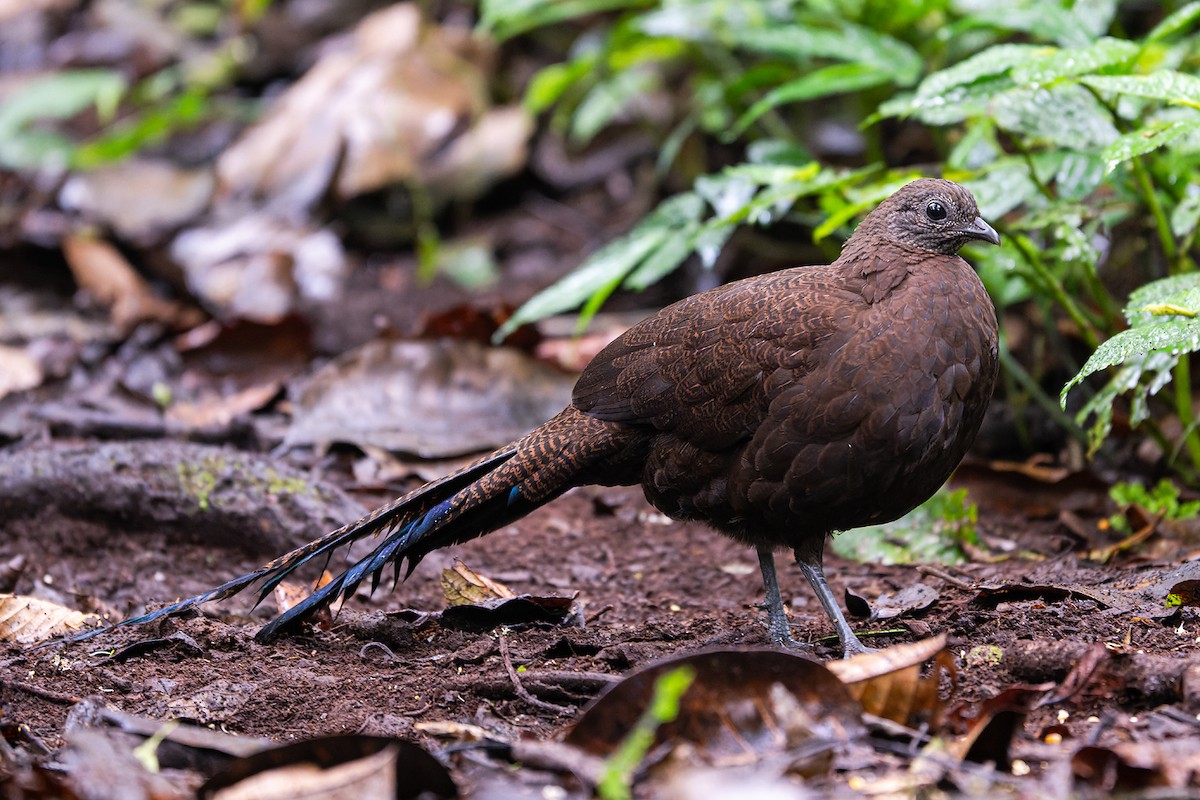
{"type": "Point", "coordinates": [779, 409]}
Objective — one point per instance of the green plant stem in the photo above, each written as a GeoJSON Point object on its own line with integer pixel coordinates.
{"type": "Point", "coordinates": [1023, 379]}
{"type": "Point", "coordinates": [1182, 377]}
{"type": "Point", "coordinates": [617, 780]}
{"type": "Point", "coordinates": [1156, 210]}
{"type": "Point", "coordinates": [1086, 329]}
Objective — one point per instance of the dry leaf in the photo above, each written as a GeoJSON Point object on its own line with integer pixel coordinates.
{"type": "Point", "coordinates": [28, 620]}
{"type": "Point", "coordinates": [18, 370]}
{"type": "Point", "coordinates": [889, 684]}
{"type": "Point", "coordinates": [434, 399]}
{"type": "Point", "coordinates": [101, 271]}
{"type": "Point", "coordinates": [464, 586]}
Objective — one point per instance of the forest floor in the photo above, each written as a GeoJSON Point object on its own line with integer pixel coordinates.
{"type": "Point", "coordinates": [645, 588]}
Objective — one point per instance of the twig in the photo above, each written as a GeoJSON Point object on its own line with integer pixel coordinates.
{"type": "Point", "coordinates": [45, 694]}
{"type": "Point", "coordinates": [593, 617]}
{"type": "Point", "coordinates": [928, 569]}
{"type": "Point", "coordinates": [521, 691]}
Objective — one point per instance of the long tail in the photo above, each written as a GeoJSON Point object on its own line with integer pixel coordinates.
{"type": "Point", "coordinates": [569, 450]}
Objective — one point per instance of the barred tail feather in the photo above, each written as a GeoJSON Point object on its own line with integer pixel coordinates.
{"type": "Point", "coordinates": [398, 513]}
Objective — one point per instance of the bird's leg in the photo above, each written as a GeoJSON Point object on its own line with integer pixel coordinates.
{"type": "Point", "coordinates": [809, 556]}
{"type": "Point", "coordinates": [777, 623]}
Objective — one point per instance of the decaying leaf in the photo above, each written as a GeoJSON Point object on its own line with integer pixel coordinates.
{"type": "Point", "coordinates": [405, 100]}
{"type": "Point", "coordinates": [118, 196]}
{"type": "Point", "coordinates": [462, 585]}
{"type": "Point", "coordinates": [889, 682]}
{"type": "Point", "coordinates": [28, 620]}
{"type": "Point", "coordinates": [522, 609]}
{"type": "Point", "coordinates": [288, 594]}
{"type": "Point", "coordinates": [101, 271]}
{"type": "Point", "coordinates": [334, 767]}
{"type": "Point", "coordinates": [743, 705]}
{"type": "Point", "coordinates": [18, 370]}
{"type": "Point", "coordinates": [913, 597]}
{"type": "Point", "coordinates": [258, 266]}
{"type": "Point", "coordinates": [435, 399]}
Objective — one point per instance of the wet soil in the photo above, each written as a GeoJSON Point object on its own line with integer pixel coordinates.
{"type": "Point", "coordinates": [647, 587]}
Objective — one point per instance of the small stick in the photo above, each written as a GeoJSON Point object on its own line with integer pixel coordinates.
{"type": "Point", "coordinates": [522, 692]}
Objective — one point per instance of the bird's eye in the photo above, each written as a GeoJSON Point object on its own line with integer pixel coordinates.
{"type": "Point", "coordinates": [935, 210]}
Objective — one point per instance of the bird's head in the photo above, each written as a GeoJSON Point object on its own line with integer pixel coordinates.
{"type": "Point", "coordinates": [929, 214]}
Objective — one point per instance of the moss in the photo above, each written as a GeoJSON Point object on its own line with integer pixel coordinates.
{"type": "Point", "coordinates": [200, 480]}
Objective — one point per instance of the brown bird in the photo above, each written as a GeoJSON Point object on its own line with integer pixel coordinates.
{"type": "Point", "coordinates": [778, 409]}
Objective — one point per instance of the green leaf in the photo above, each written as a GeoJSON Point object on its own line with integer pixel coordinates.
{"type": "Point", "coordinates": [833, 79]}
{"type": "Point", "coordinates": [996, 60]}
{"type": "Point", "coordinates": [1172, 336]}
{"type": "Point", "coordinates": [1070, 62]}
{"type": "Point", "coordinates": [1078, 175]}
{"type": "Point", "coordinates": [1005, 185]}
{"type": "Point", "coordinates": [549, 85]}
{"type": "Point", "coordinates": [931, 533]}
{"type": "Point", "coordinates": [605, 269]}
{"type": "Point", "coordinates": [954, 105]}
{"type": "Point", "coordinates": [1046, 19]}
{"type": "Point", "coordinates": [58, 96]}
{"type": "Point", "coordinates": [61, 96]}
{"type": "Point", "coordinates": [1186, 216]}
{"type": "Point", "coordinates": [1182, 19]}
{"type": "Point", "coordinates": [608, 99]}
{"type": "Point", "coordinates": [504, 19]}
{"type": "Point", "coordinates": [962, 90]}
{"type": "Point", "coordinates": [863, 201]}
{"type": "Point", "coordinates": [1144, 140]}
{"type": "Point", "coordinates": [848, 43]}
{"type": "Point", "coordinates": [1065, 115]}
{"type": "Point", "coordinates": [1168, 85]}
{"type": "Point", "coordinates": [1164, 290]}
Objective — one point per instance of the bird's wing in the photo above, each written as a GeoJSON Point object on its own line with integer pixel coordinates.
{"type": "Point", "coordinates": [704, 368]}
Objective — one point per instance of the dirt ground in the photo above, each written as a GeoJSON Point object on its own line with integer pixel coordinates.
{"type": "Point", "coordinates": [647, 588]}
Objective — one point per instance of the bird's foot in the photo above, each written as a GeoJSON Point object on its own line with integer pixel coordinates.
{"type": "Point", "coordinates": [789, 642]}
{"type": "Point", "coordinates": [780, 633]}
{"type": "Point", "coordinates": [852, 647]}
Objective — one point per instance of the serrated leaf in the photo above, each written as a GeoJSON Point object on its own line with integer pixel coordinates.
{"type": "Point", "coordinates": [1172, 336]}
{"type": "Point", "coordinates": [1164, 290]}
{"type": "Point", "coordinates": [1167, 85]}
{"type": "Point", "coordinates": [1069, 62]}
{"type": "Point", "coordinates": [1146, 139]}
{"type": "Point", "coordinates": [834, 79]}
{"type": "Point", "coordinates": [1186, 215]}
{"type": "Point", "coordinates": [954, 105]}
{"type": "Point", "coordinates": [1003, 187]}
{"type": "Point", "coordinates": [1078, 175]}
{"type": "Point", "coordinates": [996, 60]}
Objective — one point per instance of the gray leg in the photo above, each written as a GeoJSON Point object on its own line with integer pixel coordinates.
{"type": "Point", "coordinates": [777, 623]}
{"type": "Point", "coordinates": [809, 557]}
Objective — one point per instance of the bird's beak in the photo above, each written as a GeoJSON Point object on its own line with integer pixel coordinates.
{"type": "Point", "coordinates": [980, 230]}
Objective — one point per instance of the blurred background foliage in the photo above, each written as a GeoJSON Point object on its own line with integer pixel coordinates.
{"type": "Point", "coordinates": [1075, 123]}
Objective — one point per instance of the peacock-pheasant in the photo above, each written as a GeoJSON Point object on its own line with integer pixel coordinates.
{"type": "Point", "coordinates": [778, 409]}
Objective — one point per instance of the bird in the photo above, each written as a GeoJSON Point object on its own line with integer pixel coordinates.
{"type": "Point", "coordinates": [779, 409]}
